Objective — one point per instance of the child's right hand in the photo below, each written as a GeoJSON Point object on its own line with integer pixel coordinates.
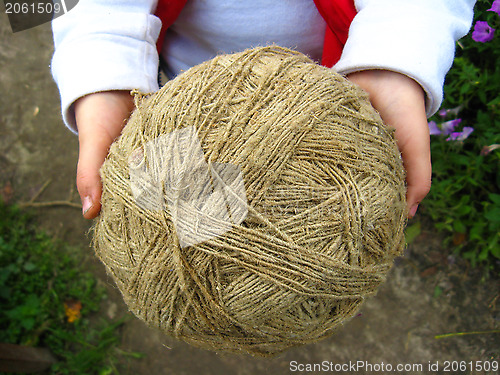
{"type": "Point", "coordinates": [100, 118]}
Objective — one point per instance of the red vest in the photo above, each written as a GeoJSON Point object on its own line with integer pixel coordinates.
{"type": "Point", "coordinates": [338, 15]}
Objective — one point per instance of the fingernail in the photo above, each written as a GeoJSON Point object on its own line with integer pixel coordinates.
{"type": "Point", "coordinates": [413, 210]}
{"type": "Point", "coordinates": [86, 204]}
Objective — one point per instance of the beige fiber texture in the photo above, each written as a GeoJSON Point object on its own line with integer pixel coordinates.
{"type": "Point", "coordinates": [315, 232]}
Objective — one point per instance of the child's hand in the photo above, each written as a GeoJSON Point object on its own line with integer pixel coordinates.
{"type": "Point", "coordinates": [100, 118]}
{"type": "Point", "coordinates": [401, 103]}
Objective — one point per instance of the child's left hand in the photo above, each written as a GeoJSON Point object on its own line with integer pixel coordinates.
{"type": "Point", "coordinates": [401, 103]}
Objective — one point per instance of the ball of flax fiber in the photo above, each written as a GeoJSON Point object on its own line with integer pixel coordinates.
{"type": "Point", "coordinates": [252, 203]}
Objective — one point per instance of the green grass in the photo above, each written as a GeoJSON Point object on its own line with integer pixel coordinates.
{"type": "Point", "coordinates": [38, 276]}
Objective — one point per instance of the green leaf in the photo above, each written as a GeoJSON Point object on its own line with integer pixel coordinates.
{"type": "Point", "coordinates": [106, 371]}
{"type": "Point", "coordinates": [495, 198]}
{"type": "Point", "coordinates": [483, 254]}
{"type": "Point", "coordinates": [29, 267]}
{"type": "Point", "coordinates": [495, 251]}
{"type": "Point", "coordinates": [437, 291]}
{"type": "Point", "coordinates": [28, 323]}
{"type": "Point", "coordinates": [493, 214]}
{"type": "Point", "coordinates": [476, 232]}
{"type": "Point", "coordinates": [459, 227]}
{"type": "Point", "coordinates": [5, 293]}
{"type": "Point", "coordinates": [412, 232]}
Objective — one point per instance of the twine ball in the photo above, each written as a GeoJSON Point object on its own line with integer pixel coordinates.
{"type": "Point", "coordinates": [252, 203]}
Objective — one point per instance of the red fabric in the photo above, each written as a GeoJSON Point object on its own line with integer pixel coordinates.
{"type": "Point", "coordinates": [338, 15]}
{"type": "Point", "coordinates": [167, 11]}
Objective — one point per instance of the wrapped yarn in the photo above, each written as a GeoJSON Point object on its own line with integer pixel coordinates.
{"type": "Point", "coordinates": [252, 203]}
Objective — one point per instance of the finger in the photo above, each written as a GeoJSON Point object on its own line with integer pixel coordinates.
{"type": "Point", "coordinates": [401, 103]}
{"type": "Point", "coordinates": [93, 151]}
{"type": "Point", "coordinates": [417, 162]}
{"type": "Point", "coordinates": [412, 135]}
{"type": "Point", "coordinates": [100, 119]}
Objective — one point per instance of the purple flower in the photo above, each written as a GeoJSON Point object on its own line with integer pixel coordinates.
{"type": "Point", "coordinates": [495, 7]}
{"type": "Point", "coordinates": [433, 128]}
{"type": "Point", "coordinates": [445, 112]}
{"type": "Point", "coordinates": [448, 126]}
{"type": "Point", "coordinates": [482, 32]}
{"type": "Point", "coordinates": [460, 136]}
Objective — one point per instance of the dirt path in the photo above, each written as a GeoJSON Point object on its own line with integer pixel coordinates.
{"type": "Point", "coordinates": [427, 293]}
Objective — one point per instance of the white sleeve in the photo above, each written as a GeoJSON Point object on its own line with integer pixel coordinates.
{"type": "Point", "coordinates": [415, 38]}
{"type": "Point", "coordinates": [104, 45]}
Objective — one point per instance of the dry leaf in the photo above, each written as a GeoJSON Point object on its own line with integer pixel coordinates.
{"type": "Point", "coordinates": [6, 192]}
{"type": "Point", "coordinates": [459, 238]}
{"type": "Point", "coordinates": [72, 310]}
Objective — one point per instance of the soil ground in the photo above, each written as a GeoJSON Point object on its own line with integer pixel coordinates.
{"type": "Point", "coordinates": [429, 292]}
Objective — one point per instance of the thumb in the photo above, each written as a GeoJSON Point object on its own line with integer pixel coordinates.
{"type": "Point", "coordinates": [412, 134]}
{"type": "Point", "coordinates": [417, 162]}
{"type": "Point", "coordinates": [100, 118]}
{"type": "Point", "coordinates": [88, 180]}
{"type": "Point", "coordinates": [401, 103]}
